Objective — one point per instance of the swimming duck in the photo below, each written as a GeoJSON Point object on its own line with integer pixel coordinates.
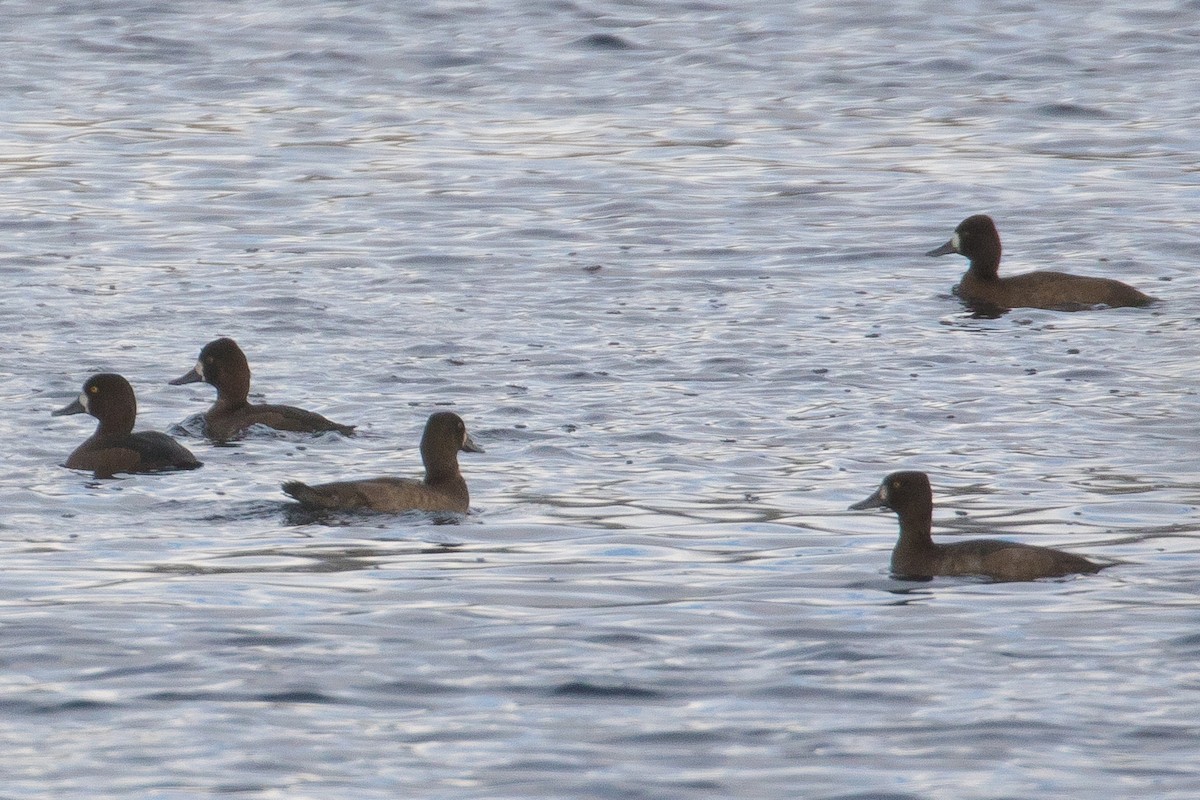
{"type": "Point", "coordinates": [223, 364]}
{"type": "Point", "coordinates": [917, 557]}
{"type": "Point", "coordinates": [981, 287]}
{"type": "Point", "coordinates": [443, 488]}
{"type": "Point", "coordinates": [114, 447]}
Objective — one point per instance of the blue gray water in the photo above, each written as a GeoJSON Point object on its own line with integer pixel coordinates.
{"type": "Point", "coordinates": [666, 260]}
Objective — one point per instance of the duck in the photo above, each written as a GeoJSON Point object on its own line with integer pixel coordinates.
{"type": "Point", "coordinates": [114, 447]}
{"type": "Point", "coordinates": [442, 489]}
{"type": "Point", "coordinates": [223, 365]}
{"type": "Point", "coordinates": [982, 288]}
{"type": "Point", "coordinates": [917, 557]}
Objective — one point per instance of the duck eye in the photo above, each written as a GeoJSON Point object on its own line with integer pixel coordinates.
{"type": "Point", "coordinates": [895, 485]}
{"type": "Point", "coordinates": [93, 389]}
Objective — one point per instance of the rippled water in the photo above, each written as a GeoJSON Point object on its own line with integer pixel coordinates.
{"type": "Point", "coordinates": [665, 259]}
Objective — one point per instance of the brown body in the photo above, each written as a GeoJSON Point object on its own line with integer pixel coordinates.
{"type": "Point", "coordinates": [227, 420]}
{"type": "Point", "coordinates": [1052, 290]}
{"type": "Point", "coordinates": [443, 488]}
{"type": "Point", "coordinates": [982, 287]}
{"type": "Point", "coordinates": [917, 556]}
{"type": "Point", "coordinates": [992, 558]}
{"type": "Point", "coordinates": [390, 495]}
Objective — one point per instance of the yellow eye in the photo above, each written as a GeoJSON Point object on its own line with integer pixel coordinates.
{"type": "Point", "coordinates": [93, 390]}
{"type": "Point", "coordinates": [895, 484]}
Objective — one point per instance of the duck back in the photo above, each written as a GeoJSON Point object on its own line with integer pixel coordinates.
{"type": "Point", "coordinates": [389, 495]}
{"type": "Point", "coordinates": [147, 451]}
{"type": "Point", "coordinates": [223, 423]}
{"type": "Point", "coordinates": [992, 558]}
{"type": "Point", "coordinates": [1047, 289]}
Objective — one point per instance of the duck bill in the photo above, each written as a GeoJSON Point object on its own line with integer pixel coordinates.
{"type": "Point", "coordinates": [948, 247]}
{"type": "Point", "coordinates": [191, 376]}
{"type": "Point", "coordinates": [74, 408]}
{"type": "Point", "coordinates": [874, 501]}
{"type": "Point", "coordinates": [469, 446]}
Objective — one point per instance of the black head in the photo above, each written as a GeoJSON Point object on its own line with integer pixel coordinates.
{"type": "Point", "coordinates": [445, 434]}
{"type": "Point", "coordinates": [976, 238]}
{"type": "Point", "coordinates": [106, 396]}
{"type": "Point", "coordinates": [901, 492]}
{"type": "Point", "coordinates": [222, 364]}
{"type": "Point", "coordinates": [445, 431]}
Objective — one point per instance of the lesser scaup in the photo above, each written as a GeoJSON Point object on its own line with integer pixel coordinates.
{"type": "Point", "coordinates": [982, 288]}
{"type": "Point", "coordinates": [443, 488]}
{"type": "Point", "coordinates": [114, 447]}
{"type": "Point", "coordinates": [917, 557]}
{"type": "Point", "coordinates": [223, 364]}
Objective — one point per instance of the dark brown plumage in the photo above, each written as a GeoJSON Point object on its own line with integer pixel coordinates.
{"type": "Point", "coordinates": [917, 556]}
{"type": "Point", "coordinates": [114, 447]}
{"type": "Point", "coordinates": [223, 365]}
{"type": "Point", "coordinates": [983, 289]}
{"type": "Point", "coordinates": [443, 488]}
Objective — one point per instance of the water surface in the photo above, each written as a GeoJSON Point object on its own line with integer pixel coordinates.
{"type": "Point", "coordinates": [665, 259]}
